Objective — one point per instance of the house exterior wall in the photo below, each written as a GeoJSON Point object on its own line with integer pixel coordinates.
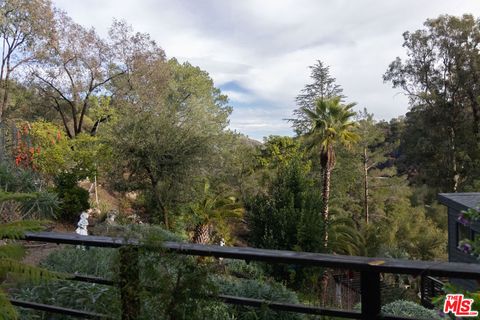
{"type": "Point", "coordinates": [455, 255]}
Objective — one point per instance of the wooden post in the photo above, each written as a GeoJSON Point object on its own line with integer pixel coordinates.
{"type": "Point", "coordinates": [422, 291]}
{"type": "Point", "coordinates": [96, 191]}
{"type": "Point", "coordinates": [370, 293]}
{"type": "Point", "coordinates": [129, 283]}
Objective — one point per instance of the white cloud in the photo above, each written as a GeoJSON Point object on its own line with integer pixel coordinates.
{"type": "Point", "coordinates": [266, 46]}
{"type": "Point", "coordinates": [236, 96]}
{"type": "Point", "coordinates": [259, 122]}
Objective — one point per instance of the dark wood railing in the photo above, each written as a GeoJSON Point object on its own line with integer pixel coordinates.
{"type": "Point", "coordinates": [369, 268]}
{"type": "Point", "coordinates": [430, 288]}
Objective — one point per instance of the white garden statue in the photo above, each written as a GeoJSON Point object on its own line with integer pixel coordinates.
{"type": "Point", "coordinates": [222, 244]}
{"type": "Point", "coordinates": [111, 216]}
{"type": "Point", "coordinates": [83, 224]}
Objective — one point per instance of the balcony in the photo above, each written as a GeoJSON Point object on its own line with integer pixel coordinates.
{"type": "Point", "coordinates": [370, 270]}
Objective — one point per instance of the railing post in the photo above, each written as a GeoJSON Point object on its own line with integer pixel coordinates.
{"type": "Point", "coordinates": [370, 294]}
{"type": "Point", "coordinates": [129, 283]}
{"type": "Point", "coordinates": [422, 291]}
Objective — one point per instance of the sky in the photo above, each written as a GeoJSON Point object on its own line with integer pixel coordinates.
{"type": "Point", "coordinates": [258, 51]}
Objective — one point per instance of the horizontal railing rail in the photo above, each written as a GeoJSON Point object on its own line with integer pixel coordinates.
{"type": "Point", "coordinates": [60, 310]}
{"type": "Point", "coordinates": [380, 265]}
{"type": "Point", "coordinates": [369, 268]}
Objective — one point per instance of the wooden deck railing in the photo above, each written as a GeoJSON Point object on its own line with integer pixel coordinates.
{"type": "Point", "coordinates": [430, 288]}
{"type": "Point", "coordinates": [369, 268]}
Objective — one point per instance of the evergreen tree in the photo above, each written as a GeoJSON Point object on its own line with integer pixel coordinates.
{"type": "Point", "coordinates": [323, 87]}
{"type": "Point", "coordinates": [274, 218]}
{"type": "Point", "coordinates": [441, 76]}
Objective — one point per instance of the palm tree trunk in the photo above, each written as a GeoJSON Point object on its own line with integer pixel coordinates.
{"type": "Point", "coordinates": [201, 234]}
{"type": "Point", "coordinates": [365, 177]}
{"type": "Point", "coordinates": [325, 198]}
{"type": "Point", "coordinates": [328, 163]}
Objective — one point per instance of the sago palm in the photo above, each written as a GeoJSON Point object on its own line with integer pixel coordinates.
{"type": "Point", "coordinates": [211, 210]}
{"type": "Point", "coordinates": [331, 125]}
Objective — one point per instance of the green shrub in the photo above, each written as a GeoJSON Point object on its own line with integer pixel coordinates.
{"type": "Point", "coordinates": [141, 232]}
{"type": "Point", "coordinates": [93, 261]}
{"type": "Point", "coordinates": [403, 308]}
{"type": "Point", "coordinates": [25, 194]}
{"type": "Point", "coordinates": [171, 286]}
{"type": "Point", "coordinates": [241, 269]}
{"type": "Point", "coordinates": [15, 179]}
{"type": "Point", "coordinates": [70, 294]}
{"type": "Point", "coordinates": [258, 289]}
{"type": "Point", "coordinates": [177, 287]}
{"type": "Point", "coordinates": [74, 199]}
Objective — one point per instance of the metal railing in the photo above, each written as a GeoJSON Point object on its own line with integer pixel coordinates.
{"type": "Point", "coordinates": [369, 268]}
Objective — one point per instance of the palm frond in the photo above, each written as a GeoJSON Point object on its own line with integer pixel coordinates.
{"type": "Point", "coordinates": [12, 251]}
{"type": "Point", "coordinates": [21, 270]}
{"type": "Point", "coordinates": [42, 203]}
{"type": "Point", "coordinates": [330, 122]}
{"type": "Point", "coordinates": [309, 113]}
{"type": "Point", "coordinates": [45, 204]}
{"type": "Point", "coordinates": [16, 196]}
{"type": "Point", "coordinates": [17, 229]}
{"type": "Point", "coordinates": [7, 311]}
{"type": "Point", "coordinates": [345, 238]}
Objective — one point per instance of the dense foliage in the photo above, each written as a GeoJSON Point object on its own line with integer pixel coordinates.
{"type": "Point", "coordinates": [401, 308]}
{"type": "Point", "coordinates": [74, 199]}
{"type": "Point", "coordinates": [173, 285]}
{"type": "Point", "coordinates": [440, 76]}
{"type": "Point", "coordinates": [112, 123]}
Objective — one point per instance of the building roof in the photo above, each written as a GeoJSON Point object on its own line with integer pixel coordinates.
{"type": "Point", "coordinates": [460, 201]}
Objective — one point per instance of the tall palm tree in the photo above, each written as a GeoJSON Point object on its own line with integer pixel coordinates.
{"type": "Point", "coordinates": [331, 125]}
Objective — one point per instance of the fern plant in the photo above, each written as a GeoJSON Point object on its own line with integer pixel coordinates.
{"type": "Point", "coordinates": [10, 261]}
